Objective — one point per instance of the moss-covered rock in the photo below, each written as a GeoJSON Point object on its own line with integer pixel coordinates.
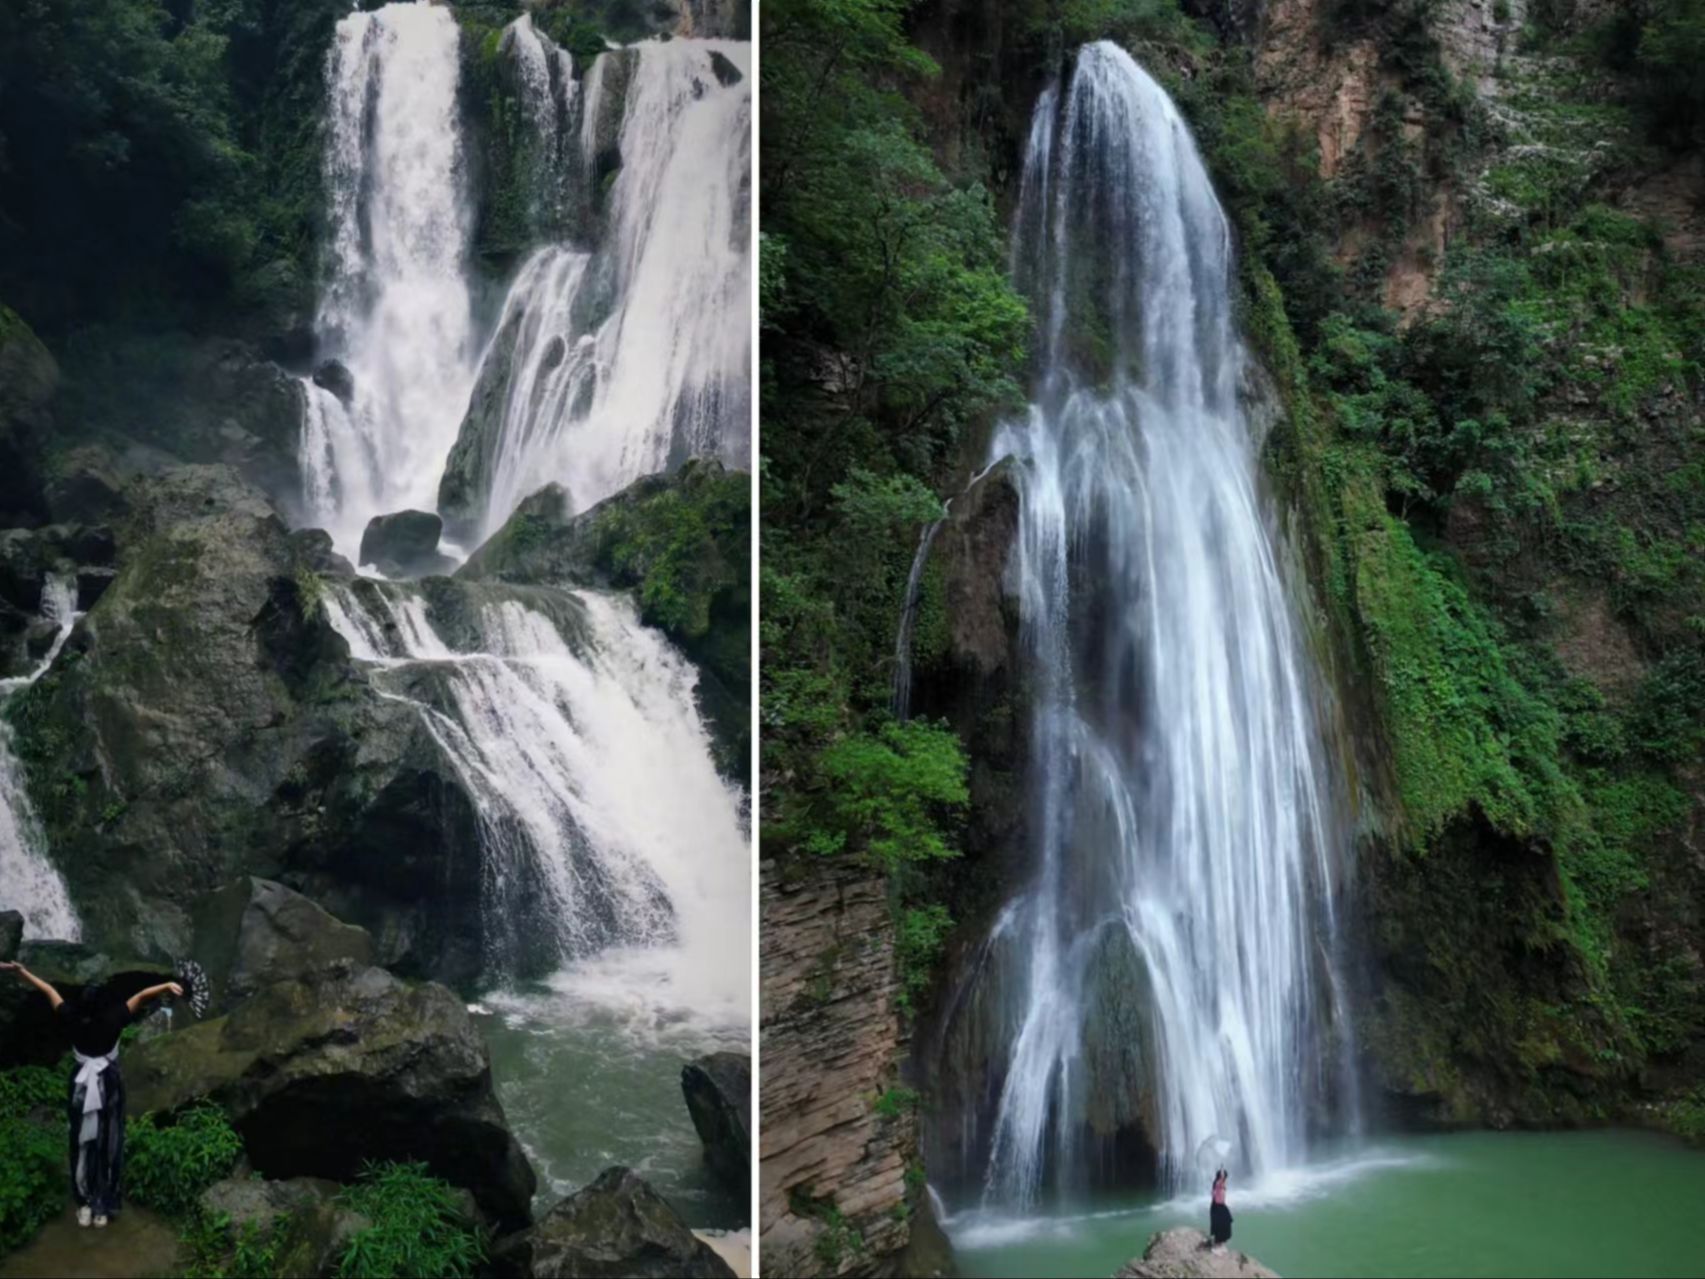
{"type": "Point", "coordinates": [682, 544]}
{"type": "Point", "coordinates": [28, 379]}
{"type": "Point", "coordinates": [324, 1073]}
{"type": "Point", "coordinates": [618, 1225]}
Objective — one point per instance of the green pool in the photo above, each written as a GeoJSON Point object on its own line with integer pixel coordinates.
{"type": "Point", "coordinates": [1613, 1202]}
{"type": "Point", "coordinates": [591, 1083]}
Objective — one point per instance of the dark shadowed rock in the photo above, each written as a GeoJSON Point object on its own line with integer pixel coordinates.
{"type": "Point", "coordinates": [404, 544]}
{"type": "Point", "coordinates": [1184, 1254]}
{"type": "Point", "coordinates": [253, 933]}
{"type": "Point", "coordinates": [11, 934]}
{"type": "Point", "coordinates": [334, 376]}
{"type": "Point", "coordinates": [718, 1089]}
{"type": "Point", "coordinates": [618, 1226]}
{"type": "Point", "coordinates": [726, 72]}
{"type": "Point", "coordinates": [28, 378]}
{"type": "Point", "coordinates": [322, 1074]}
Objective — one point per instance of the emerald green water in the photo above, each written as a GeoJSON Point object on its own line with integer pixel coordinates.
{"type": "Point", "coordinates": [587, 1085]}
{"type": "Point", "coordinates": [1587, 1203]}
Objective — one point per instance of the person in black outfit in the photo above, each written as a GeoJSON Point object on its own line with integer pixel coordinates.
{"type": "Point", "coordinates": [1219, 1216]}
{"type": "Point", "coordinates": [95, 1100]}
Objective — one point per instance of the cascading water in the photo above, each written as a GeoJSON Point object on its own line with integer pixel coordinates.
{"type": "Point", "coordinates": [396, 311]}
{"type": "Point", "coordinates": [615, 893]}
{"type": "Point", "coordinates": [627, 359]}
{"type": "Point", "coordinates": [1181, 828]}
{"type": "Point", "coordinates": [29, 882]}
{"type": "Point", "coordinates": [604, 816]}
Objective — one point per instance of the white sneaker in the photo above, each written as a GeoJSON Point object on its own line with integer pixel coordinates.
{"type": "Point", "coordinates": [100, 1223]}
{"type": "Point", "coordinates": [84, 1214]}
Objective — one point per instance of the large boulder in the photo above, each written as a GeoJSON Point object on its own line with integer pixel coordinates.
{"type": "Point", "coordinates": [254, 932]}
{"type": "Point", "coordinates": [1184, 1254]}
{"type": "Point", "coordinates": [682, 543]}
{"type": "Point", "coordinates": [617, 1227]}
{"type": "Point", "coordinates": [322, 1074]}
{"type": "Point", "coordinates": [206, 722]}
{"type": "Point", "coordinates": [404, 544]}
{"type": "Point", "coordinates": [718, 1089]}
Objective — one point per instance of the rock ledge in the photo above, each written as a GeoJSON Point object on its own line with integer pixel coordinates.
{"type": "Point", "coordinates": [1184, 1254]}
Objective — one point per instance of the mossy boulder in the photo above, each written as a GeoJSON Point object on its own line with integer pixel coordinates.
{"type": "Point", "coordinates": [617, 1226]}
{"type": "Point", "coordinates": [681, 543]}
{"type": "Point", "coordinates": [324, 1073]}
{"type": "Point", "coordinates": [254, 933]}
{"type": "Point", "coordinates": [205, 722]}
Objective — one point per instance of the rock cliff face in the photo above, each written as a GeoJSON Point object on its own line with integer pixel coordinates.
{"type": "Point", "coordinates": [833, 1184]}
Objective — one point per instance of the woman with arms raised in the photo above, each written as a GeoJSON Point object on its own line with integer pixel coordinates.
{"type": "Point", "coordinates": [95, 1104]}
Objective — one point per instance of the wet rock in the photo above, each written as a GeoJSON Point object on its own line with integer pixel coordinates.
{"type": "Point", "coordinates": [219, 728]}
{"type": "Point", "coordinates": [617, 1226]}
{"type": "Point", "coordinates": [1184, 1254]}
{"type": "Point", "coordinates": [334, 376]}
{"type": "Point", "coordinates": [726, 72]}
{"type": "Point", "coordinates": [304, 1064]}
{"type": "Point", "coordinates": [404, 544]}
{"type": "Point", "coordinates": [254, 932]}
{"type": "Point", "coordinates": [718, 1089]}
{"type": "Point", "coordinates": [11, 934]}
{"type": "Point", "coordinates": [92, 583]}
{"type": "Point", "coordinates": [615, 546]}
{"type": "Point", "coordinates": [87, 485]}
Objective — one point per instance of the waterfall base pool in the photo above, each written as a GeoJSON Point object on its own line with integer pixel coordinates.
{"type": "Point", "coordinates": [1613, 1202]}
{"type": "Point", "coordinates": [589, 1085]}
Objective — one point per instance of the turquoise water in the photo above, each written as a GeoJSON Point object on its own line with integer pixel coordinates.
{"type": "Point", "coordinates": [586, 1086]}
{"type": "Point", "coordinates": [1588, 1203]}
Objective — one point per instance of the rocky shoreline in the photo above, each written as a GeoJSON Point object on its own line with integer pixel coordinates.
{"type": "Point", "coordinates": [325, 1062]}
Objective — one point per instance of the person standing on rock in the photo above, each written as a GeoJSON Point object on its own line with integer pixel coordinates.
{"type": "Point", "coordinates": [95, 1101]}
{"type": "Point", "coordinates": [1219, 1216]}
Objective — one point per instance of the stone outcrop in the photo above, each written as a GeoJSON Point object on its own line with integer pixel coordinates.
{"type": "Point", "coordinates": [254, 933]}
{"type": "Point", "coordinates": [404, 544]}
{"type": "Point", "coordinates": [28, 378]}
{"type": "Point", "coordinates": [324, 1073]}
{"type": "Point", "coordinates": [718, 1092]}
{"type": "Point", "coordinates": [688, 531]}
{"type": "Point", "coordinates": [316, 1227]}
{"type": "Point", "coordinates": [1185, 1254]}
{"type": "Point", "coordinates": [206, 722]}
{"type": "Point", "coordinates": [615, 1228]}
{"type": "Point", "coordinates": [830, 1040]}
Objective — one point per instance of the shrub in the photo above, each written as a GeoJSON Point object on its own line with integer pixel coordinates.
{"type": "Point", "coordinates": [168, 1167]}
{"type": "Point", "coordinates": [32, 1178]}
{"type": "Point", "coordinates": [417, 1227]}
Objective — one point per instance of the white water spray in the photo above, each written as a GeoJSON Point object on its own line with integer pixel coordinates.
{"type": "Point", "coordinates": [1176, 760]}
{"type": "Point", "coordinates": [29, 882]}
{"type": "Point", "coordinates": [396, 309]}
{"type": "Point", "coordinates": [627, 360]}
{"type": "Point", "coordinates": [611, 843]}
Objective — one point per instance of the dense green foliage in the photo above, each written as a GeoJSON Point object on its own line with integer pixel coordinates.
{"type": "Point", "coordinates": [32, 1152]}
{"type": "Point", "coordinates": [168, 1165]}
{"type": "Point", "coordinates": [158, 157]}
{"type": "Point", "coordinates": [890, 333]}
{"type": "Point", "coordinates": [417, 1229]}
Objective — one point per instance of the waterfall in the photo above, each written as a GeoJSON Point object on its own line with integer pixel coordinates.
{"type": "Point", "coordinates": [901, 703]}
{"type": "Point", "coordinates": [624, 360]}
{"type": "Point", "coordinates": [1181, 828]}
{"type": "Point", "coordinates": [610, 841]}
{"type": "Point", "coordinates": [29, 882]}
{"type": "Point", "coordinates": [396, 310]}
